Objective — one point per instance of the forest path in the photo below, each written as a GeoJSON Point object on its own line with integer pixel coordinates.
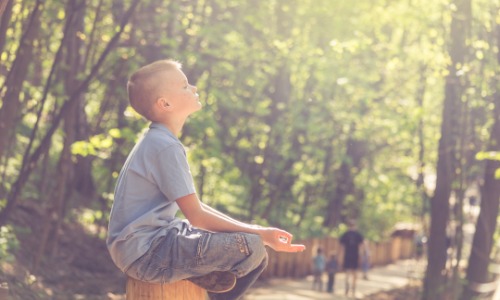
{"type": "Point", "coordinates": [383, 278]}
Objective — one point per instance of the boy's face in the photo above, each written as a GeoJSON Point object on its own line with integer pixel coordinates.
{"type": "Point", "coordinates": [179, 94]}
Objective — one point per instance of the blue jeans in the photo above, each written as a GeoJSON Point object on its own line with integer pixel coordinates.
{"type": "Point", "coordinates": [190, 252]}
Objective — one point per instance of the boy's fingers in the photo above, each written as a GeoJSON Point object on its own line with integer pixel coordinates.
{"type": "Point", "coordinates": [298, 247]}
{"type": "Point", "coordinates": [284, 237]}
{"type": "Point", "coordinates": [294, 248]}
{"type": "Point", "coordinates": [284, 242]}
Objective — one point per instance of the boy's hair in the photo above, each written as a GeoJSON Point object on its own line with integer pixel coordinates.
{"type": "Point", "coordinates": [145, 86]}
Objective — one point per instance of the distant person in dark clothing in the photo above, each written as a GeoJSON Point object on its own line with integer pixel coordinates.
{"type": "Point", "coordinates": [351, 240]}
{"type": "Point", "coordinates": [332, 268]}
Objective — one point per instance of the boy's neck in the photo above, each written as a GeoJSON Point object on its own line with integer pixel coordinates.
{"type": "Point", "coordinates": [174, 126]}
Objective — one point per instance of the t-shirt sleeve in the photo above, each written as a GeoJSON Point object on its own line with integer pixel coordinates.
{"type": "Point", "coordinates": [172, 173]}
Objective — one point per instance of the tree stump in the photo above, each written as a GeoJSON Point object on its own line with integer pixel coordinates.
{"type": "Point", "coordinates": [179, 290]}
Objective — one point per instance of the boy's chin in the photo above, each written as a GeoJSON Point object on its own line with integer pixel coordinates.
{"type": "Point", "coordinates": [195, 110]}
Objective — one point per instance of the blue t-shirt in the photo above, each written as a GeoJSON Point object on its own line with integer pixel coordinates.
{"type": "Point", "coordinates": [155, 174]}
{"type": "Point", "coordinates": [319, 263]}
{"type": "Point", "coordinates": [332, 266]}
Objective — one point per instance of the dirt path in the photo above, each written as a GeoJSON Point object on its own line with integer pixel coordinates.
{"type": "Point", "coordinates": [394, 276]}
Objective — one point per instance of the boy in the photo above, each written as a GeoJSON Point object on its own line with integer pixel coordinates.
{"type": "Point", "coordinates": [332, 267]}
{"type": "Point", "coordinates": [318, 269]}
{"type": "Point", "coordinates": [145, 239]}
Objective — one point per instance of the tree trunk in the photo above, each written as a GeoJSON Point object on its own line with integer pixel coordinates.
{"type": "Point", "coordinates": [179, 290]}
{"type": "Point", "coordinates": [73, 66]}
{"type": "Point", "coordinates": [420, 183]}
{"type": "Point", "coordinates": [482, 244]}
{"type": "Point", "coordinates": [464, 163]}
{"type": "Point", "coordinates": [5, 17]}
{"type": "Point", "coordinates": [11, 105]}
{"type": "Point", "coordinates": [435, 280]}
{"type": "Point", "coordinates": [344, 182]}
{"type": "Point", "coordinates": [477, 270]}
{"type": "Point", "coordinates": [55, 213]}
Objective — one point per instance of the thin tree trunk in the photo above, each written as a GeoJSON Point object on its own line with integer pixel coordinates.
{"type": "Point", "coordinates": [479, 260]}
{"type": "Point", "coordinates": [482, 244]}
{"type": "Point", "coordinates": [344, 181]}
{"type": "Point", "coordinates": [11, 104]}
{"type": "Point", "coordinates": [3, 4]}
{"type": "Point", "coordinates": [5, 17]}
{"type": "Point", "coordinates": [65, 174]}
{"type": "Point", "coordinates": [308, 197]}
{"type": "Point", "coordinates": [53, 215]}
{"type": "Point", "coordinates": [272, 156]}
{"type": "Point", "coordinates": [88, 59]}
{"type": "Point", "coordinates": [83, 181]}
{"type": "Point", "coordinates": [421, 151]}
{"type": "Point", "coordinates": [435, 280]}
{"type": "Point", "coordinates": [464, 164]}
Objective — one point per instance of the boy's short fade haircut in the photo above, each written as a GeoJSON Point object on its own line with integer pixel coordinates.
{"type": "Point", "coordinates": [145, 85]}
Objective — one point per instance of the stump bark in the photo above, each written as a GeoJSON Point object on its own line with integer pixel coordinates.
{"type": "Point", "coordinates": [180, 290]}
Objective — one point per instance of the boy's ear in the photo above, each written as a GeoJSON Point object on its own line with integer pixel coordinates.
{"type": "Point", "coordinates": [164, 104]}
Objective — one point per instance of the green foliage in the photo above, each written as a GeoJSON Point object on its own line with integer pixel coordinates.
{"type": "Point", "coordinates": [286, 87]}
{"type": "Point", "coordinates": [101, 145]}
{"type": "Point", "coordinates": [8, 243]}
{"type": "Point", "coordinates": [492, 155]}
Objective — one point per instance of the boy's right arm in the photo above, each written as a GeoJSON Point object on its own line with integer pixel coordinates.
{"type": "Point", "coordinates": [222, 215]}
{"type": "Point", "coordinates": [204, 217]}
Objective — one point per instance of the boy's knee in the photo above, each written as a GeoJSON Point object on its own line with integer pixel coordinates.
{"type": "Point", "coordinates": [252, 254]}
{"type": "Point", "coordinates": [256, 246]}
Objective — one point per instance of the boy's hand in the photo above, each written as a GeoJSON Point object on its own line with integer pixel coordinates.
{"type": "Point", "coordinates": [280, 240]}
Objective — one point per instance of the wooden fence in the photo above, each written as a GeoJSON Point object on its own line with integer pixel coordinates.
{"type": "Point", "coordinates": [298, 265]}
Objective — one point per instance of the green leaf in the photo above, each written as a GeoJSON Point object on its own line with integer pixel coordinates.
{"type": "Point", "coordinates": [491, 155]}
{"type": "Point", "coordinates": [83, 148]}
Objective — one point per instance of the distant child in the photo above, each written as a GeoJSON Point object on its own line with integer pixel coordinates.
{"type": "Point", "coordinates": [420, 241]}
{"type": "Point", "coordinates": [318, 269]}
{"type": "Point", "coordinates": [145, 238]}
{"type": "Point", "coordinates": [332, 267]}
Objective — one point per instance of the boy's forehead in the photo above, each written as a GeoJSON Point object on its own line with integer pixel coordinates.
{"type": "Point", "coordinates": [174, 76]}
